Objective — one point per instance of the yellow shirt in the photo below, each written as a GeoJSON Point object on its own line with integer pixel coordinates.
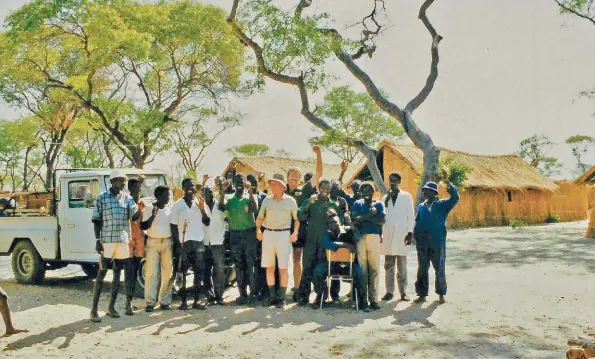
{"type": "Point", "coordinates": [278, 214]}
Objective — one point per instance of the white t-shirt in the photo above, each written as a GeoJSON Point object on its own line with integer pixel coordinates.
{"type": "Point", "coordinates": [160, 227]}
{"type": "Point", "coordinates": [180, 213]}
{"type": "Point", "coordinates": [215, 232]}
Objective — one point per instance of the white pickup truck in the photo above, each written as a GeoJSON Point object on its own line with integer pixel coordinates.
{"type": "Point", "coordinates": [62, 233]}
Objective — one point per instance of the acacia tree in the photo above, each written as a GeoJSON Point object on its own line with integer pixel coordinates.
{"type": "Point", "coordinates": [534, 151]}
{"type": "Point", "coordinates": [249, 149]}
{"type": "Point", "coordinates": [292, 47]}
{"type": "Point", "coordinates": [85, 147]}
{"type": "Point", "coordinates": [138, 68]}
{"type": "Point", "coordinates": [353, 115]}
{"type": "Point", "coordinates": [584, 9]}
{"type": "Point", "coordinates": [192, 141]}
{"type": "Point", "coordinates": [581, 147]}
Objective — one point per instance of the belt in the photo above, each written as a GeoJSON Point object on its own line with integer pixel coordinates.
{"type": "Point", "coordinates": [159, 238]}
{"type": "Point", "coordinates": [277, 230]}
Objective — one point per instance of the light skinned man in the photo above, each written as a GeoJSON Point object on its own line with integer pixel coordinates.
{"type": "Point", "coordinates": [159, 251]}
{"type": "Point", "coordinates": [276, 216]}
{"type": "Point", "coordinates": [430, 237]}
{"type": "Point", "coordinates": [192, 211]}
{"type": "Point", "coordinates": [397, 232]}
{"type": "Point", "coordinates": [241, 208]}
{"type": "Point", "coordinates": [368, 216]}
{"type": "Point", "coordinates": [111, 218]}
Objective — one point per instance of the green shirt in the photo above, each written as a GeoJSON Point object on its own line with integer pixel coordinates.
{"type": "Point", "coordinates": [317, 215]}
{"type": "Point", "coordinates": [238, 213]}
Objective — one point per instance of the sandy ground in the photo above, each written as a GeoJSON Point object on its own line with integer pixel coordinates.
{"type": "Point", "coordinates": [512, 294]}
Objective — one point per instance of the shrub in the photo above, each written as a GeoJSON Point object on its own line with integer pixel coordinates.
{"type": "Point", "coordinates": [457, 172]}
{"type": "Point", "coordinates": [517, 224]}
{"type": "Point", "coordinates": [552, 219]}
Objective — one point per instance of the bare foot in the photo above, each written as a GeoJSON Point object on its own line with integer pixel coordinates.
{"type": "Point", "coordinates": [14, 331]}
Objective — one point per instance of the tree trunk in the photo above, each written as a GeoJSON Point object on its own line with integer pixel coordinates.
{"type": "Point", "coordinates": [25, 170]}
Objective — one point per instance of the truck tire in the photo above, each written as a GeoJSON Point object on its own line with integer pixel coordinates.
{"type": "Point", "coordinates": [27, 265]}
{"type": "Point", "coordinates": [90, 269]}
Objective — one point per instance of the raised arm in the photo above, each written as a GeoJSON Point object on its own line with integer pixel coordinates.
{"type": "Point", "coordinates": [221, 203]}
{"type": "Point", "coordinates": [344, 166]}
{"type": "Point", "coordinates": [452, 201]}
{"type": "Point", "coordinates": [318, 174]}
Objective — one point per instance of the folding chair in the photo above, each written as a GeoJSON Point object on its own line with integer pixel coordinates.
{"type": "Point", "coordinates": [342, 255]}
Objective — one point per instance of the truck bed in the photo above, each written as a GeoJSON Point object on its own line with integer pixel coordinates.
{"type": "Point", "coordinates": [41, 230]}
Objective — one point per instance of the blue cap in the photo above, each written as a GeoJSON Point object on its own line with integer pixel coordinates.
{"type": "Point", "coordinates": [432, 186]}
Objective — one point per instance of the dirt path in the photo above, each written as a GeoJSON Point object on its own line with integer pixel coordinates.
{"type": "Point", "coordinates": [512, 294]}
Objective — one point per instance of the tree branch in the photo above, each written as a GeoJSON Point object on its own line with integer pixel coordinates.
{"type": "Point", "coordinates": [433, 76]}
{"type": "Point", "coordinates": [572, 11]}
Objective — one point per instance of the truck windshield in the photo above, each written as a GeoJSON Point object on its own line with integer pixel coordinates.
{"type": "Point", "coordinates": [151, 182]}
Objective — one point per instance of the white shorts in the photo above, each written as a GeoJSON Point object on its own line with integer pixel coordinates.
{"type": "Point", "coordinates": [116, 250]}
{"type": "Point", "coordinates": [276, 244]}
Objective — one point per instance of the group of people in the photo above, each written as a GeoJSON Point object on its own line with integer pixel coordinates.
{"type": "Point", "coordinates": [300, 219]}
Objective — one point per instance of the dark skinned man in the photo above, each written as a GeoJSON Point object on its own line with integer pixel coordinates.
{"type": "Point", "coordinates": [111, 218]}
{"type": "Point", "coordinates": [338, 236]}
{"type": "Point", "coordinates": [215, 235]}
{"type": "Point", "coordinates": [315, 212]}
{"type": "Point", "coordinates": [159, 251]}
{"type": "Point", "coordinates": [397, 232]}
{"type": "Point", "coordinates": [430, 237]}
{"type": "Point", "coordinates": [368, 216]}
{"type": "Point", "coordinates": [5, 311]}
{"type": "Point", "coordinates": [192, 211]}
{"type": "Point", "coordinates": [137, 237]}
{"type": "Point", "coordinates": [241, 208]}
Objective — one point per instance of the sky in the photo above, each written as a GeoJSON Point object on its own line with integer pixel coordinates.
{"type": "Point", "coordinates": [508, 69]}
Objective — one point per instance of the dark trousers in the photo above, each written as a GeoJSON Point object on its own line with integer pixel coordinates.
{"type": "Point", "coordinates": [310, 260]}
{"type": "Point", "coordinates": [436, 256]}
{"type": "Point", "coordinates": [359, 280]}
{"type": "Point", "coordinates": [132, 273]}
{"type": "Point", "coordinates": [193, 253]}
{"type": "Point", "coordinates": [243, 251]}
{"type": "Point", "coordinates": [214, 274]}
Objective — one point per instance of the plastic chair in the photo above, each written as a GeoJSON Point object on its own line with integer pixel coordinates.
{"type": "Point", "coordinates": [342, 255]}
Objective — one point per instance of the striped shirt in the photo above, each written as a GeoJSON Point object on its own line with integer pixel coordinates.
{"type": "Point", "coordinates": [114, 214]}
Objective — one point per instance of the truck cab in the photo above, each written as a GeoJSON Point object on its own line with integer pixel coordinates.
{"type": "Point", "coordinates": [62, 233]}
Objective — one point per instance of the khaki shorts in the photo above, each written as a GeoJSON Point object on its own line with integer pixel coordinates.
{"type": "Point", "coordinates": [116, 250]}
{"type": "Point", "coordinates": [276, 244]}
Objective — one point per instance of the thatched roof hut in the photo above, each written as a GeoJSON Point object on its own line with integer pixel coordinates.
{"type": "Point", "coordinates": [505, 173]}
{"type": "Point", "coordinates": [270, 165]}
{"type": "Point", "coordinates": [498, 188]}
{"type": "Point", "coordinates": [587, 177]}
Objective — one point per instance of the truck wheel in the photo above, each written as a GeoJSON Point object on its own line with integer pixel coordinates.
{"type": "Point", "coordinates": [90, 269]}
{"type": "Point", "coordinates": [27, 265]}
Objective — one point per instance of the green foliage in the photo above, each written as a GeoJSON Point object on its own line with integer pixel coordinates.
{"type": "Point", "coordinates": [517, 224]}
{"type": "Point", "coordinates": [138, 67]}
{"type": "Point", "coordinates": [552, 219]}
{"type": "Point", "coordinates": [581, 146]}
{"type": "Point", "coordinates": [534, 151]}
{"type": "Point", "coordinates": [457, 172]}
{"type": "Point", "coordinates": [357, 116]}
{"type": "Point", "coordinates": [290, 46]}
{"type": "Point", "coordinates": [249, 149]}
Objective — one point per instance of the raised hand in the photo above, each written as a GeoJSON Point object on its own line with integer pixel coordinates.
{"type": "Point", "coordinates": [316, 149]}
{"type": "Point", "coordinates": [155, 210]}
{"type": "Point", "coordinates": [248, 186]}
{"type": "Point", "coordinates": [205, 178]}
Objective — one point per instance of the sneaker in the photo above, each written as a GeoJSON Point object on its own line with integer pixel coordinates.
{"type": "Point", "coordinates": [165, 307]}
{"type": "Point", "coordinates": [404, 298]}
{"type": "Point", "coordinates": [303, 302]}
{"type": "Point", "coordinates": [280, 303]}
{"type": "Point", "coordinates": [112, 313]}
{"type": "Point", "coordinates": [95, 318]}
{"type": "Point", "coordinates": [374, 306]}
{"type": "Point", "coordinates": [183, 306]}
{"type": "Point", "coordinates": [149, 308]}
{"type": "Point", "coordinates": [420, 299]}
{"type": "Point", "coordinates": [336, 301]}
{"type": "Point", "coordinates": [367, 309]}
{"type": "Point", "coordinates": [387, 297]}
{"type": "Point", "coordinates": [241, 301]}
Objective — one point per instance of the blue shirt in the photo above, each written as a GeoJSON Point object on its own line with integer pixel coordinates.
{"type": "Point", "coordinates": [430, 221]}
{"type": "Point", "coordinates": [350, 198]}
{"type": "Point", "coordinates": [360, 208]}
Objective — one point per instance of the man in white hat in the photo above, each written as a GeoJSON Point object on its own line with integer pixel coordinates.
{"type": "Point", "coordinates": [112, 214]}
{"type": "Point", "coordinates": [276, 216]}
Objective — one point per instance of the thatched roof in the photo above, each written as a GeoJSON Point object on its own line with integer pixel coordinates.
{"type": "Point", "coordinates": [507, 172]}
{"type": "Point", "coordinates": [271, 165]}
{"type": "Point", "coordinates": [587, 177]}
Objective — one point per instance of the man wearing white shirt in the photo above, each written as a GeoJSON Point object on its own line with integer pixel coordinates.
{"type": "Point", "coordinates": [191, 211]}
{"type": "Point", "coordinates": [215, 250]}
{"type": "Point", "coordinates": [399, 225]}
{"type": "Point", "coordinates": [156, 221]}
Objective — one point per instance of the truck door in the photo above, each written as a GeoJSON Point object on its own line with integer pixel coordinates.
{"type": "Point", "coordinates": [77, 242]}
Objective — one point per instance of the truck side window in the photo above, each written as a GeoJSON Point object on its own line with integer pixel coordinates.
{"type": "Point", "coordinates": [80, 194]}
